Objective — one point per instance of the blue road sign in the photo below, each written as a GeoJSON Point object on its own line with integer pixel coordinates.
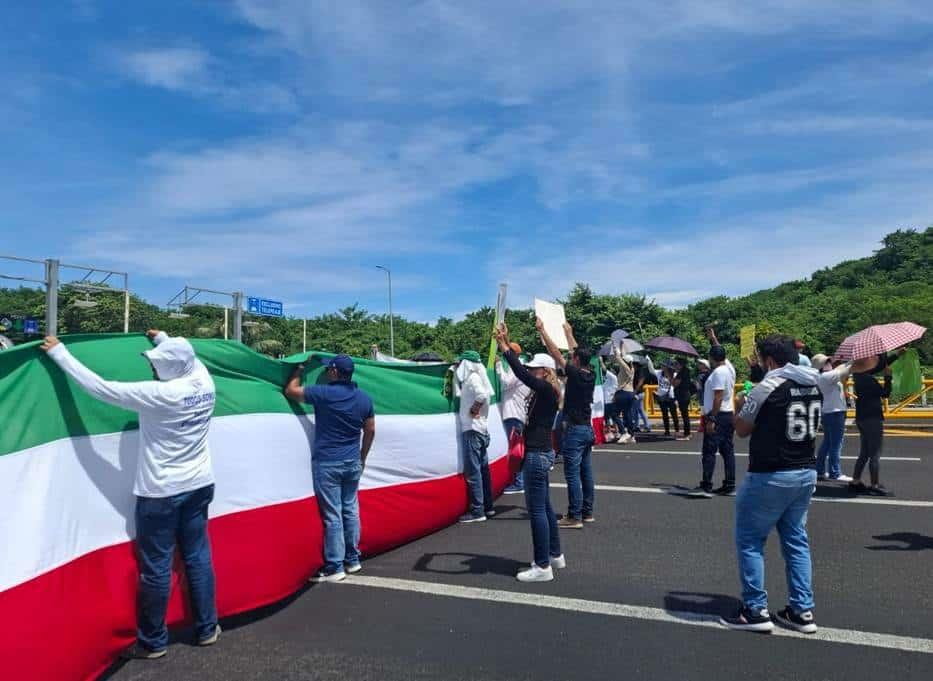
{"type": "Point", "coordinates": [267, 308]}
{"type": "Point", "coordinates": [31, 327]}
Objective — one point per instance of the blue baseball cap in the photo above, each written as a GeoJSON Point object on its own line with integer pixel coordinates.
{"type": "Point", "coordinates": [341, 363]}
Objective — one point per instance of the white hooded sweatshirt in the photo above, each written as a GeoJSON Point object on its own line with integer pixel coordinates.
{"type": "Point", "coordinates": [474, 387]}
{"type": "Point", "coordinates": [174, 415]}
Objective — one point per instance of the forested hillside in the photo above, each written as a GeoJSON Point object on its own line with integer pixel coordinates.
{"type": "Point", "coordinates": [893, 284]}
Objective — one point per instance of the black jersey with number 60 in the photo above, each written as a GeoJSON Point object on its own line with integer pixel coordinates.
{"type": "Point", "coordinates": [785, 408]}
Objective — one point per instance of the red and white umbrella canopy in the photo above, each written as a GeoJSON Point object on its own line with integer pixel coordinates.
{"type": "Point", "coordinates": [878, 339]}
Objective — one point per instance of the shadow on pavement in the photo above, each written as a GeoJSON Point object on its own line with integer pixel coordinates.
{"type": "Point", "coordinates": [470, 564]}
{"type": "Point", "coordinates": [910, 541]}
{"type": "Point", "coordinates": [693, 606]}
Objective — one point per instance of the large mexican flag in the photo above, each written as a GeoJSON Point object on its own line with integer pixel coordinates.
{"type": "Point", "coordinates": [67, 464]}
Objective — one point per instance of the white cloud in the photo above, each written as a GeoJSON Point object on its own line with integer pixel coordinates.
{"type": "Point", "coordinates": [172, 68]}
{"type": "Point", "coordinates": [193, 71]}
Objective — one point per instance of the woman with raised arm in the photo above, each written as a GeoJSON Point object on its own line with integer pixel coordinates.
{"type": "Point", "coordinates": [540, 375]}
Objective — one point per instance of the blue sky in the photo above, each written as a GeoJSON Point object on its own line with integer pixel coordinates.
{"type": "Point", "coordinates": [285, 147]}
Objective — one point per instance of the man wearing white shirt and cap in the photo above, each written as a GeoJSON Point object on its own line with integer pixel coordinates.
{"type": "Point", "coordinates": [174, 481]}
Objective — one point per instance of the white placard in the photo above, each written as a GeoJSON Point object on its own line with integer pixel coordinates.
{"type": "Point", "coordinates": [552, 314]}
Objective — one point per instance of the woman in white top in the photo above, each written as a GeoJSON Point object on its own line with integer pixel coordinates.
{"type": "Point", "coordinates": [832, 386]}
{"type": "Point", "coordinates": [664, 395]}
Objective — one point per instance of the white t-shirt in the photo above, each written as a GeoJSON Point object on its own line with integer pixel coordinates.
{"type": "Point", "coordinates": [174, 415]}
{"type": "Point", "coordinates": [665, 390]}
{"type": "Point", "coordinates": [514, 404]}
{"type": "Point", "coordinates": [834, 395]}
{"type": "Point", "coordinates": [722, 378]}
{"type": "Point", "coordinates": [474, 390]}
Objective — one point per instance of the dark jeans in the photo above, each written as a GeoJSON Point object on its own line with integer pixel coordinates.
{"type": "Point", "coordinates": [577, 451]}
{"type": "Point", "coordinates": [544, 533]}
{"type": "Point", "coordinates": [160, 524]}
{"type": "Point", "coordinates": [684, 415]}
{"type": "Point", "coordinates": [720, 441]}
{"type": "Point", "coordinates": [871, 434]}
{"type": "Point", "coordinates": [621, 411]}
{"type": "Point", "coordinates": [510, 425]}
{"type": "Point", "coordinates": [668, 412]}
{"type": "Point", "coordinates": [476, 472]}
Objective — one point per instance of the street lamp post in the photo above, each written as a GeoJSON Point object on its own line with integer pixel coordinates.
{"type": "Point", "coordinates": [391, 323]}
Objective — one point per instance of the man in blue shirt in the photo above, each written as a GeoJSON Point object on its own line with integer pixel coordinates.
{"type": "Point", "coordinates": [341, 412]}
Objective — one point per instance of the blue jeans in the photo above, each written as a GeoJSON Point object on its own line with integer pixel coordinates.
{"type": "Point", "coordinates": [638, 411]}
{"type": "Point", "coordinates": [834, 430]}
{"type": "Point", "coordinates": [160, 524]}
{"type": "Point", "coordinates": [621, 411]}
{"type": "Point", "coordinates": [720, 441]}
{"type": "Point", "coordinates": [336, 484]}
{"type": "Point", "coordinates": [510, 425]}
{"type": "Point", "coordinates": [476, 472]}
{"type": "Point", "coordinates": [766, 501]}
{"type": "Point", "coordinates": [544, 533]}
{"type": "Point", "coordinates": [577, 451]}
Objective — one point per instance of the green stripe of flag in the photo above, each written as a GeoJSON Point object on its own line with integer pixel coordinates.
{"type": "Point", "coordinates": [40, 404]}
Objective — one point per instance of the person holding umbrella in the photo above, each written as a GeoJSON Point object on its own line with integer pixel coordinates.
{"type": "Point", "coordinates": [681, 382]}
{"type": "Point", "coordinates": [872, 351]}
{"type": "Point", "coordinates": [869, 419]}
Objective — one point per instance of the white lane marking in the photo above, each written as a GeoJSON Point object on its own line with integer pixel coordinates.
{"type": "Point", "coordinates": [826, 635]}
{"type": "Point", "coordinates": [682, 492]}
{"type": "Point", "coordinates": [738, 454]}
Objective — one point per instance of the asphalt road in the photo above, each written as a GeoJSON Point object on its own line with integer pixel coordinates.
{"type": "Point", "coordinates": [637, 601]}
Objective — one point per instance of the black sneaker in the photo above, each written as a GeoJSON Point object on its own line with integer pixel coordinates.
{"type": "Point", "coordinates": [880, 491]}
{"type": "Point", "coordinates": [857, 487]}
{"type": "Point", "coordinates": [701, 492]}
{"type": "Point", "coordinates": [749, 620]}
{"type": "Point", "coordinates": [804, 622]}
{"type": "Point", "coordinates": [138, 651]}
{"type": "Point", "coordinates": [725, 490]}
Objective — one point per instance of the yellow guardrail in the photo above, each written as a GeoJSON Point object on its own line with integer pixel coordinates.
{"type": "Point", "coordinates": [900, 410]}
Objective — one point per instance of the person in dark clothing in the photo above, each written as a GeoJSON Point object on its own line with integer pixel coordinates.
{"type": "Point", "coordinates": [781, 415]}
{"type": "Point", "coordinates": [681, 383]}
{"type": "Point", "coordinates": [578, 441]}
{"type": "Point", "coordinates": [869, 418]}
{"type": "Point", "coordinates": [540, 376]}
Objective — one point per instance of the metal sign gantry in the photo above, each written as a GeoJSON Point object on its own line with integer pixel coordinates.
{"type": "Point", "coordinates": [89, 282]}
{"type": "Point", "coordinates": [189, 293]}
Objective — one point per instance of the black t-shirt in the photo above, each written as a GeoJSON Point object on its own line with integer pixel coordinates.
{"type": "Point", "coordinates": [682, 391]}
{"type": "Point", "coordinates": [542, 407]}
{"type": "Point", "coordinates": [869, 395]}
{"type": "Point", "coordinates": [785, 408]}
{"type": "Point", "coordinates": [578, 396]}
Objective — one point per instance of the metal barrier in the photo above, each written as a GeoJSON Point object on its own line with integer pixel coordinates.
{"type": "Point", "coordinates": [900, 410]}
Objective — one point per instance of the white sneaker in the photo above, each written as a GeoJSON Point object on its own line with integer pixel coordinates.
{"type": "Point", "coordinates": [843, 478]}
{"type": "Point", "coordinates": [536, 574]}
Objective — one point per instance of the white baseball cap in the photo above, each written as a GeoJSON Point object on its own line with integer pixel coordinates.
{"type": "Point", "coordinates": [542, 361]}
{"type": "Point", "coordinates": [819, 361]}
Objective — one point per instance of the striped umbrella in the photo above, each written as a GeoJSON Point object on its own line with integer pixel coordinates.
{"type": "Point", "coordinates": [878, 339]}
